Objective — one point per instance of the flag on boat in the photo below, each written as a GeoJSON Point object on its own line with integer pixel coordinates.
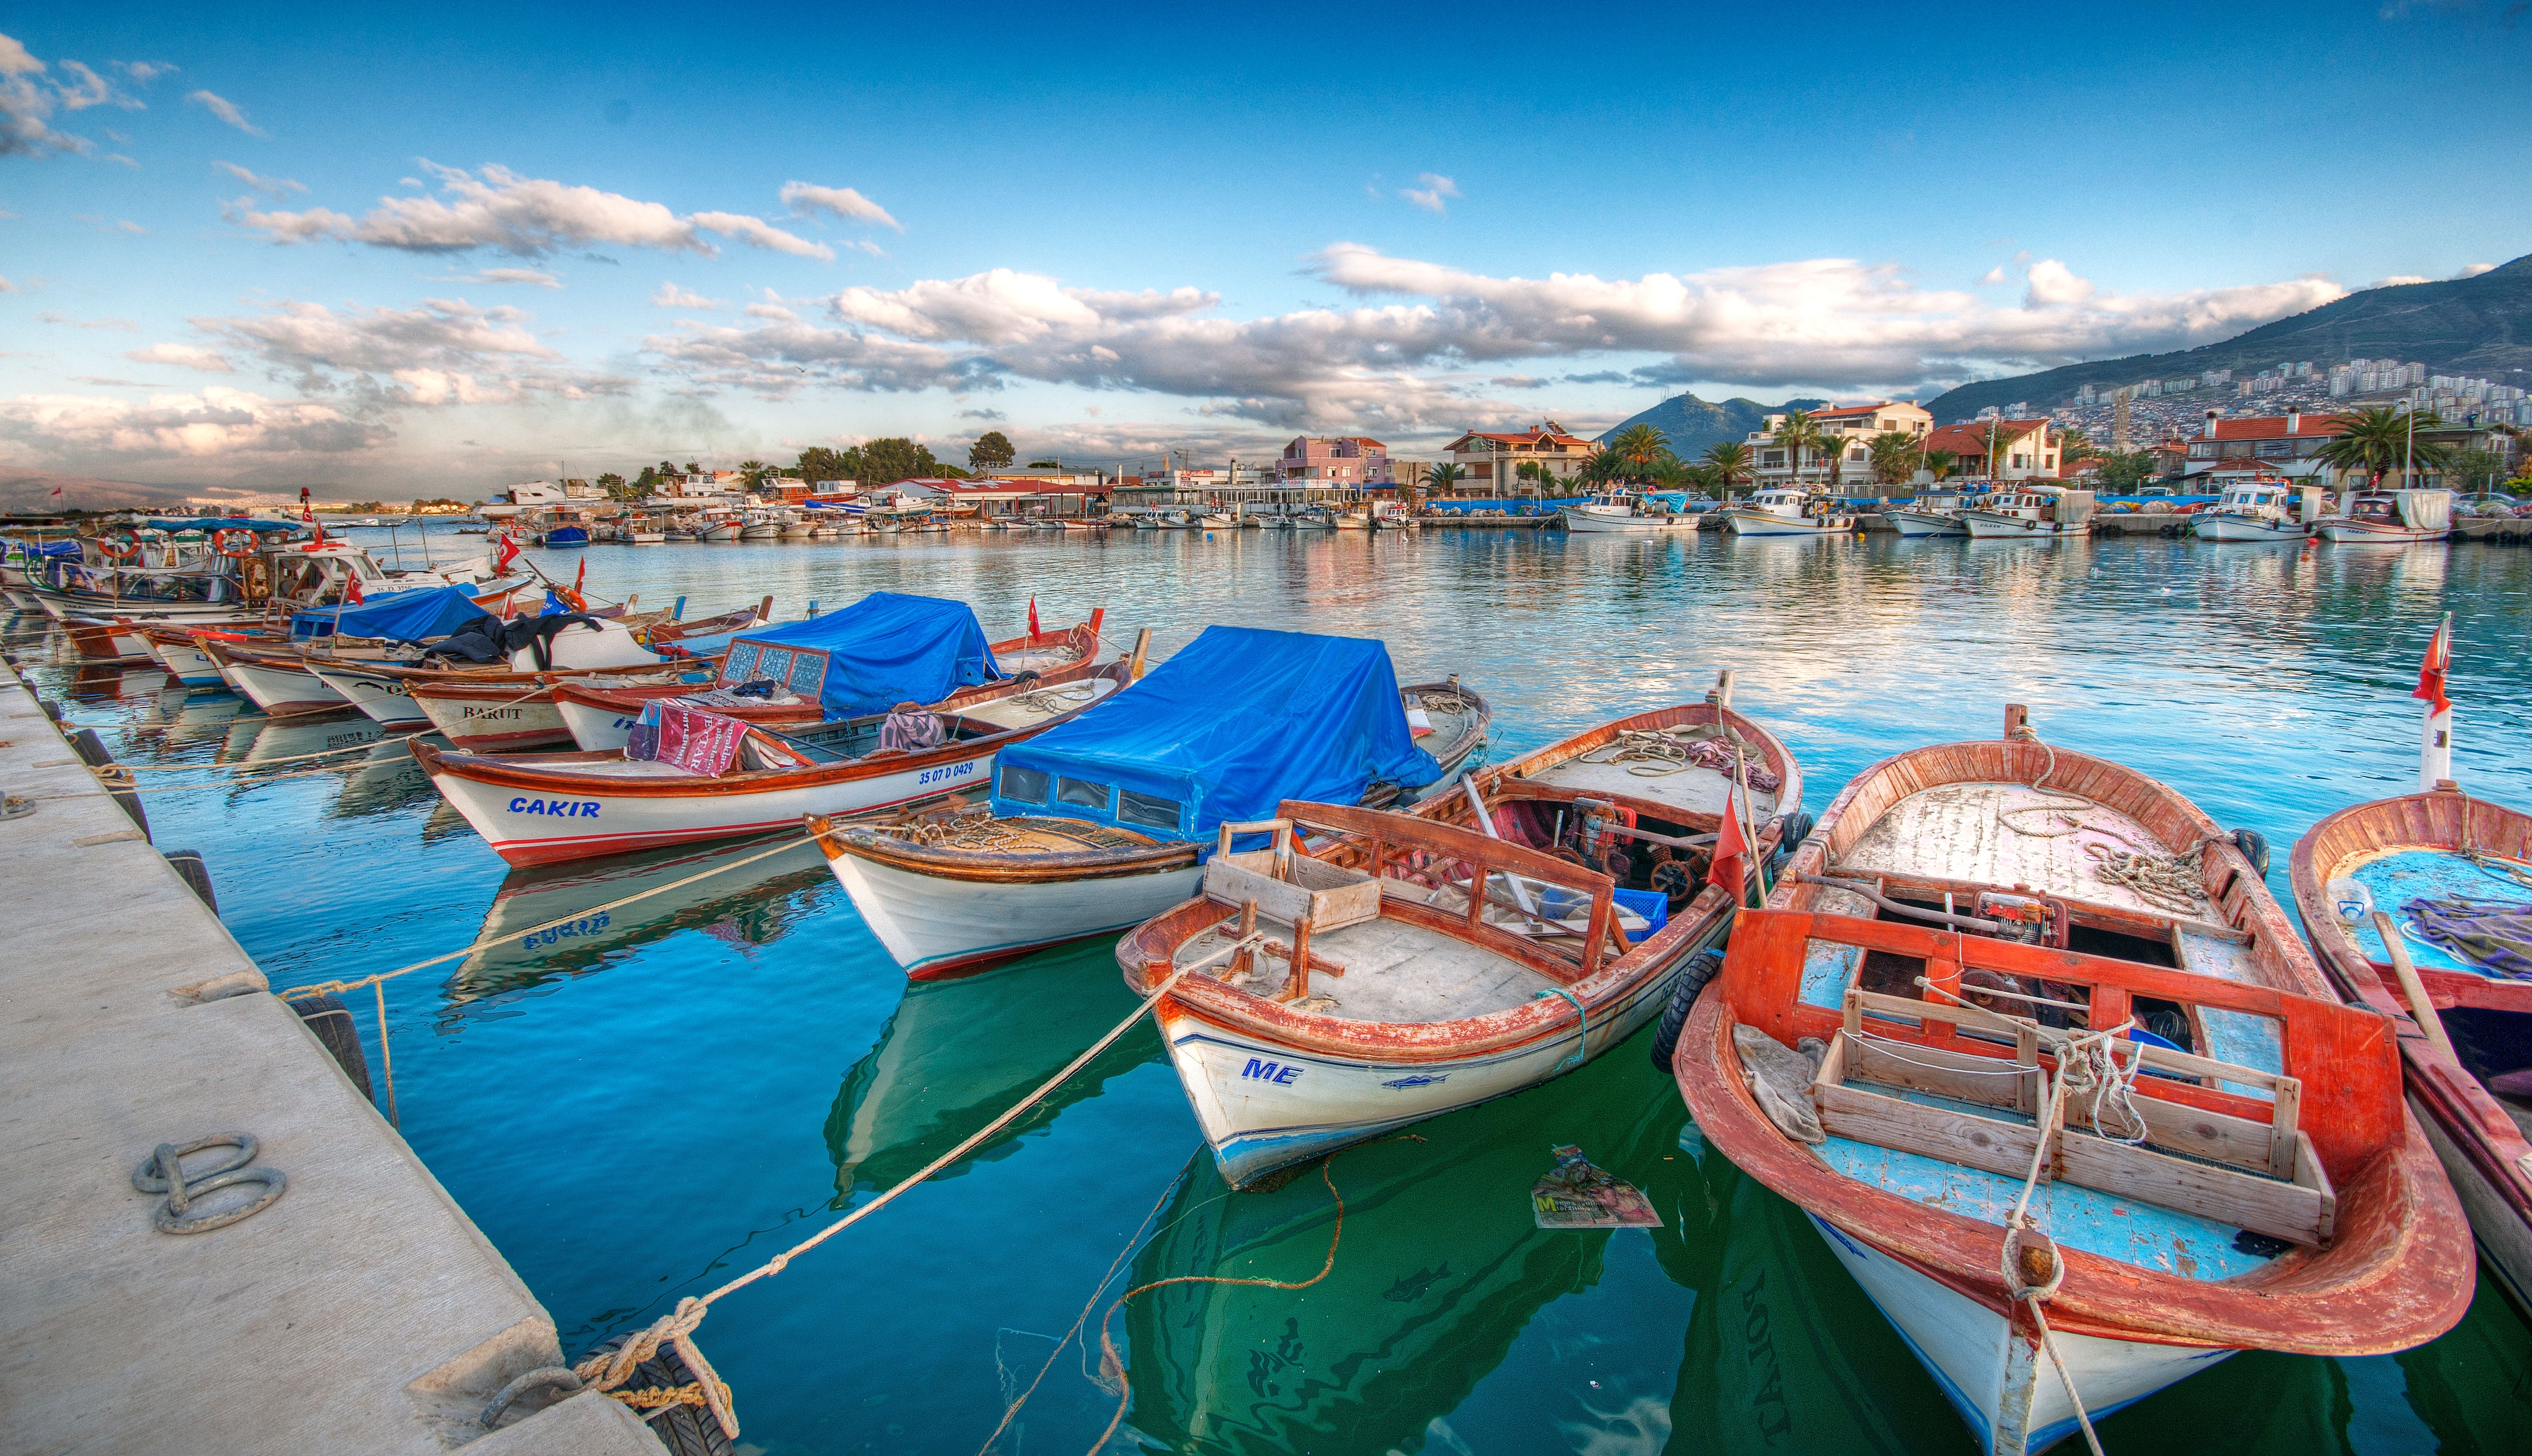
{"type": "Point", "coordinates": [1032, 616]}
{"type": "Point", "coordinates": [508, 553]}
{"type": "Point", "coordinates": [1241, 720]}
{"type": "Point", "coordinates": [884, 649]}
{"type": "Point", "coordinates": [1730, 853]}
{"type": "Point", "coordinates": [352, 589]}
{"type": "Point", "coordinates": [2430, 676]}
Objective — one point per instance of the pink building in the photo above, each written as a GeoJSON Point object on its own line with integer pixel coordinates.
{"type": "Point", "coordinates": [1349, 462]}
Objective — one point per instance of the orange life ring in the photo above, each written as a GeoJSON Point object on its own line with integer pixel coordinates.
{"type": "Point", "coordinates": [118, 547]}
{"type": "Point", "coordinates": [220, 541]}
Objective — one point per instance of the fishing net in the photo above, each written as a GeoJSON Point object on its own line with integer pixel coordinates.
{"type": "Point", "coordinates": [2491, 934]}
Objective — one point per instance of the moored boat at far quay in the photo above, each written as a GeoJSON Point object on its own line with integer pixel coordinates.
{"type": "Point", "coordinates": [2263, 508]}
{"type": "Point", "coordinates": [1787, 512]}
{"type": "Point", "coordinates": [1932, 513]}
{"type": "Point", "coordinates": [2024, 1034]}
{"type": "Point", "coordinates": [2027, 510]}
{"type": "Point", "coordinates": [2388, 517]}
{"type": "Point", "coordinates": [1622, 511]}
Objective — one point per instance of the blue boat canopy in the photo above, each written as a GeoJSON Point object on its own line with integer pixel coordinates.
{"type": "Point", "coordinates": [222, 523]}
{"type": "Point", "coordinates": [884, 649]}
{"type": "Point", "coordinates": [415, 616]}
{"type": "Point", "coordinates": [1224, 731]}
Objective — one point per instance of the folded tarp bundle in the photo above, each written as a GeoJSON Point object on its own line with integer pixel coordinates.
{"type": "Point", "coordinates": [489, 639]}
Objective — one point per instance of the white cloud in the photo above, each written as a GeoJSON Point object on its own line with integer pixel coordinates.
{"type": "Point", "coordinates": [804, 198]}
{"type": "Point", "coordinates": [671, 296]}
{"type": "Point", "coordinates": [226, 110]}
{"type": "Point", "coordinates": [271, 187]}
{"type": "Point", "coordinates": [1992, 276]}
{"type": "Point", "coordinates": [442, 352]}
{"type": "Point", "coordinates": [2052, 283]}
{"type": "Point", "coordinates": [2473, 270]}
{"type": "Point", "coordinates": [87, 88]}
{"type": "Point", "coordinates": [770, 310]}
{"type": "Point", "coordinates": [124, 324]}
{"type": "Point", "coordinates": [530, 276]}
{"type": "Point", "coordinates": [184, 356]}
{"type": "Point", "coordinates": [27, 106]}
{"type": "Point", "coordinates": [1430, 195]}
{"type": "Point", "coordinates": [8, 287]}
{"type": "Point", "coordinates": [146, 72]}
{"type": "Point", "coordinates": [2399, 280]}
{"type": "Point", "coordinates": [217, 422]}
{"type": "Point", "coordinates": [525, 216]}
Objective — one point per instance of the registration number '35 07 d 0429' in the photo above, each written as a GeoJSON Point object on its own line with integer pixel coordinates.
{"type": "Point", "coordinates": [945, 773]}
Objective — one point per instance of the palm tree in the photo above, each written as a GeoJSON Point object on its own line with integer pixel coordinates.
{"type": "Point", "coordinates": [1530, 473]}
{"type": "Point", "coordinates": [1666, 472]}
{"type": "Point", "coordinates": [1941, 463]}
{"type": "Point", "coordinates": [1730, 460]}
{"type": "Point", "coordinates": [1640, 446]}
{"type": "Point", "coordinates": [1708, 478]}
{"type": "Point", "coordinates": [1832, 449]}
{"type": "Point", "coordinates": [1440, 479]}
{"type": "Point", "coordinates": [1796, 433]}
{"type": "Point", "coordinates": [1894, 456]}
{"type": "Point", "coordinates": [2379, 439]}
{"type": "Point", "coordinates": [1603, 466]}
{"type": "Point", "coordinates": [2073, 443]}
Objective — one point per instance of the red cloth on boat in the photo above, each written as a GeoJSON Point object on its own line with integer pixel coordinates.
{"type": "Point", "coordinates": [696, 740]}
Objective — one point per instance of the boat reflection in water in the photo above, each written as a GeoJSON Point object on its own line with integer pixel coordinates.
{"type": "Point", "coordinates": [958, 1052]}
{"type": "Point", "coordinates": [748, 907]}
{"type": "Point", "coordinates": [1440, 1269]}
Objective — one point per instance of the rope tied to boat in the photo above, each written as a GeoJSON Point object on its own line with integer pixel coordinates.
{"type": "Point", "coordinates": [606, 1371]}
{"type": "Point", "coordinates": [1658, 753]}
{"type": "Point", "coordinates": [2173, 883]}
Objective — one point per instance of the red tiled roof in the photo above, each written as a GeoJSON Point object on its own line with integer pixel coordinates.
{"type": "Point", "coordinates": [1533, 437]}
{"type": "Point", "coordinates": [2272, 428]}
{"type": "Point", "coordinates": [1848, 410]}
{"type": "Point", "coordinates": [1971, 438]}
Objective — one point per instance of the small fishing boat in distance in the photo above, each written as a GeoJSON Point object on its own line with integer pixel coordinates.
{"type": "Point", "coordinates": [2027, 510]}
{"type": "Point", "coordinates": [2448, 877]}
{"type": "Point", "coordinates": [1103, 823]}
{"type": "Point", "coordinates": [1622, 511]}
{"type": "Point", "coordinates": [2023, 1032]}
{"type": "Point", "coordinates": [1784, 512]}
{"type": "Point", "coordinates": [2261, 507]}
{"type": "Point", "coordinates": [2388, 517]}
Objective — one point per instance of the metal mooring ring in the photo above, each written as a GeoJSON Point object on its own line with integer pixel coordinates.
{"type": "Point", "coordinates": [147, 1179]}
{"type": "Point", "coordinates": [168, 1221]}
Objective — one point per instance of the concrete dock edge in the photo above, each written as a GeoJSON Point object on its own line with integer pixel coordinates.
{"type": "Point", "coordinates": [362, 1312]}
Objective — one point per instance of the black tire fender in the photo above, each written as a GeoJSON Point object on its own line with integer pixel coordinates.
{"type": "Point", "coordinates": [329, 1020]}
{"type": "Point", "coordinates": [1701, 969]}
{"type": "Point", "coordinates": [2254, 846]}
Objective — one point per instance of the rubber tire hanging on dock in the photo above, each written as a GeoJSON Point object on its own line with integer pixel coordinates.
{"type": "Point", "coordinates": [1692, 978]}
{"type": "Point", "coordinates": [329, 1020]}
{"type": "Point", "coordinates": [686, 1430]}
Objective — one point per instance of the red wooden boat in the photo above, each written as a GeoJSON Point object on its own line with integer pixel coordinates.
{"type": "Point", "coordinates": [1973, 933]}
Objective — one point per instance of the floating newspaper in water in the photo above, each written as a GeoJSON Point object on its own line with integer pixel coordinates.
{"type": "Point", "coordinates": [1580, 1196]}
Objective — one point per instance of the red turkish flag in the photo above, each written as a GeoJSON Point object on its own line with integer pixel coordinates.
{"type": "Point", "coordinates": [352, 589]}
{"type": "Point", "coordinates": [1731, 856]}
{"type": "Point", "coordinates": [1032, 616]}
{"type": "Point", "coordinates": [2430, 676]}
{"type": "Point", "coordinates": [508, 553]}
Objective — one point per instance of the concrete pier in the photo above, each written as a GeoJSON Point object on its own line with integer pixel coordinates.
{"type": "Point", "coordinates": [362, 1312]}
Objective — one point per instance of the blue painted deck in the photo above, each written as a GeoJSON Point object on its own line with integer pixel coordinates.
{"type": "Point", "coordinates": [2395, 879]}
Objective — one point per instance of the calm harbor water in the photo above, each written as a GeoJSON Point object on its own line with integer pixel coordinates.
{"type": "Point", "coordinates": [637, 1112]}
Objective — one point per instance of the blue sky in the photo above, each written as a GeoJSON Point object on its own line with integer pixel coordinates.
{"type": "Point", "coordinates": [467, 245]}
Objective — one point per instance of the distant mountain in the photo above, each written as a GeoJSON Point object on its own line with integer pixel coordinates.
{"type": "Point", "coordinates": [1692, 425]}
{"type": "Point", "coordinates": [31, 492]}
{"type": "Point", "coordinates": [2479, 327]}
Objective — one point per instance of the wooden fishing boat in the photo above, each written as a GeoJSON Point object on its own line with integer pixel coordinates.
{"type": "Point", "coordinates": [543, 808]}
{"type": "Point", "coordinates": [1787, 512]}
{"type": "Point", "coordinates": [2028, 511]}
{"type": "Point", "coordinates": [598, 717]}
{"type": "Point", "coordinates": [2040, 981]}
{"type": "Point", "coordinates": [2419, 907]}
{"type": "Point", "coordinates": [285, 680]}
{"type": "Point", "coordinates": [1323, 1004]}
{"type": "Point", "coordinates": [1104, 825]}
{"type": "Point", "coordinates": [386, 690]}
{"type": "Point", "coordinates": [2388, 518]}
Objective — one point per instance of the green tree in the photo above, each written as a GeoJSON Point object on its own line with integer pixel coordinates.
{"type": "Point", "coordinates": [1666, 472]}
{"type": "Point", "coordinates": [618, 489]}
{"type": "Point", "coordinates": [1443, 479]}
{"type": "Point", "coordinates": [2073, 443]}
{"type": "Point", "coordinates": [1894, 457]}
{"type": "Point", "coordinates": [888, 461]}
{"type": "Point", "coordinates": [1046, 465]}
{"type": "Point", "coordinates": [2376, 440]}
{"type": "Point", "coordinates": [1731, 461]}
{"type": "Point", "coordinates": [991, 452]}
{"type": "Point", "coordinates": [2123, 472]}
{"type": "Point", "coordinates": [817, 463]}
{"type": "Point", "coordinates": [693, 469]}
{"type": "Point", "coordinates": [647, 483]}
{"type": "Point", "coordinates": [1705, 478]}
{"type": "Point", "coordinates": [669, 467]}
{"type": "Point", "coordinates": [2474, 470]}
{"type": "Point", "coordinates": [1832, 449]}
{"type": "Point", "coordinates": [1797, 433]}
{"type": "Point", "coordinates": [1941, 463]}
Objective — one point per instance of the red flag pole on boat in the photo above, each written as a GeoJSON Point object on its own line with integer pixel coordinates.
{"type": "Point", "coordinates": [1731, 856]}
{"type": "Point", "coordinates": [2434, 743]}
{"type": "Point", "coordinates": [509, 552]}
{"type": "Point", "coordinates": [1032, 616]}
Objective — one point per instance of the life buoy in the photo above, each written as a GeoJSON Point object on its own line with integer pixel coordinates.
{"type": "Point", "coordinates": [224, 542]}
{"type": "Point", "coordinates": [118, 547]}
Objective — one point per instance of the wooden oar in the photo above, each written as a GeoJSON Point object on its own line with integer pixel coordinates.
{"type": "Point", "coordinates": [2420, 1005]}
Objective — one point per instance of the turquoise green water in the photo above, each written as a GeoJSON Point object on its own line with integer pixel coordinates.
{"type": "Point", "coordinates": [634, 1114]}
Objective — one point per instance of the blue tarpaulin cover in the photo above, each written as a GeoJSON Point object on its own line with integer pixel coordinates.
{"type": "Point", "coordinates": [218, 523]}
{"type": "Point", "coordinates": [415, 616]}
{"type": "Point", "coordinates": [1241, 720]}
{"type": "Point", "coordinates": [884, 649]}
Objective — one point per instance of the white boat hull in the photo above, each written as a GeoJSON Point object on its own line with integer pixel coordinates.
{"type": "Point", "coordinates": [596, 730]}
{"type": "Point", "coordinates": [1918, 524]}
{"type": "Point", "coordinates": [938, 927]}
{"type": "Point", "coordinates": [1991, 527]}
{"type": "Point", "coordinates": [284, 692]}
{"type": "Point", "coordinates": [1762, 522]}
{"type": "Point", "coordinates": [2004, 1386]}
{"type": "Point", "coordinates": [2211, 528]}
{"type": "Point", "coordinates": [2367, 533]}
{"type": "Point", "coordinates": [1263, 1105]}
{"type": "Point", "coordinates": [524, 719]}
{"type": "Point", "coordinates": [382, 698]}
{"type": "Point", "coordinates": [525, 827]}
{"type": "Point", "coordinates": [189, 664]}
{"type": "Point", "coordinates": [1591, 522]}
